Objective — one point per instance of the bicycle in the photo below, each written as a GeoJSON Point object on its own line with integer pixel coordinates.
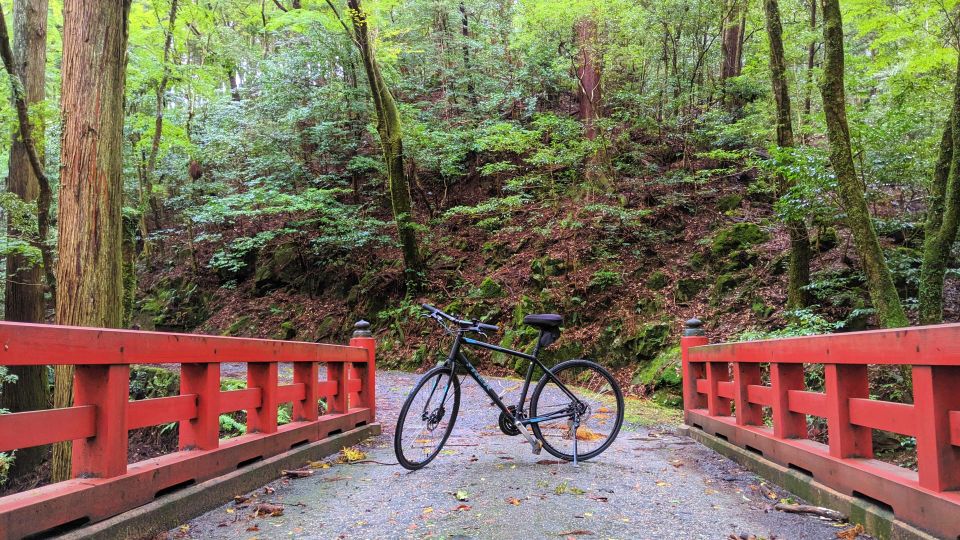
{"type": "Point", "coordinates": [576, 403]}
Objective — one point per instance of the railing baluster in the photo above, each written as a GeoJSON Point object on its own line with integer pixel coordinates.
{"type": "Point", "coordinates": [337, 371]}
{"type": "Point", "coordinates": [748, 414]}
{"type": "Point", "coordinates": [263, 375]}
{"type": "Point", "coordinates": [306, 373]}
{"type": "Point", "coordinates": [935, 394]}
{"type": "Point", "coordinates": [717, 372]}
{"type": "Point", "coordinates": [107, 387]}
{"type": "Point", "coordinates": [783, 378]}
{"type": "Point", "coordinates": [843, 382]}
{"type": "Point", "coordinates": [202, 432]}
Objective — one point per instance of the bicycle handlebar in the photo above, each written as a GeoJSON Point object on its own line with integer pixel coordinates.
{"type": "Point", "coordinates": [463, 324]}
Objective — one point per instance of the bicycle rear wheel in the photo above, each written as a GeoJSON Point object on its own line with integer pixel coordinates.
{"type": "Point", "coordinates": [598, 408]}
{"type": "Point", "coordinates": [427, 418]}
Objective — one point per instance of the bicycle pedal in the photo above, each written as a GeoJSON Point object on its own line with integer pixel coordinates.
{"type": "Point", "coordinates": [537, 448]}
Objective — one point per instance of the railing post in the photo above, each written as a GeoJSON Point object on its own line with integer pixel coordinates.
{"type": "Point", "coordinates": [744, 374]}
{"type": "Point", "coordinates": [263, 375]}
{"type": "Point", "coordinates": [202, 432]}
{"type": "Point", "coordinates": [306, 373]}
{"type": "Point", "coordinates": [108, 388]}
{"type": "Point", "coordinates": [693, 336]}
{"type": "Point", "coordinates": [842, 382]}
{"type": "Point", "coordinates": [783, 379]}
{"type": "Point", "coordinates": [935, 393]}
{"type": "Point", "coordinates": [362, 337]}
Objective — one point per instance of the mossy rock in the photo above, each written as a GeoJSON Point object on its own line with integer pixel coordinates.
{"type": "Point", "coordinates": [738, 237]}
{"type": "Point", "coordinates": [175, 304]}
{"type": "Point", "coordinates": [687, 289]}
{"type": "Point", "coordinates": [544, 268]}
{"type": "Point", "coordinates": [664, 370]}
{"type": "Point", "coordinates": [729, 202]}
{"type": "Point", "coordinates": [657, 281]}
{"type": "Point", "coordinates": [276, 267]}
{"type": "Point", "coordinates": [618, 350]}
{"type": "Point", "coordinates": [147, 382]}
{"type": "Point", "coordinates": [760, 309]}
{"type": "Point", "coordinates": [649, 306]}
{"type": "Point", "coordinates": [237, 326]}
{"type": "Point", "coordinates": [489, 288]}
{"type": "Point", "coordinates": [287, 331]}
{"type": "Point", "coordinates": [726, 283]}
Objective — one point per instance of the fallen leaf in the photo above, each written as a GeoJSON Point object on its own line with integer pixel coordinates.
{"type": "Point", "coordinates": [267, 509]}
{"type": "Point", "coordinates": [349, 455]}
{"type": "Point", "coordinates": [549, 462]}
{"type": "Point", "coordinates": [268, 490]}
{"type": "Point", "coordinates": [462, 508]}
{"type": "Point", "coordinates": [585, 434]}
{"type": "Point", "coordinates": [253, 528]}
{"type": "Point", "coordinates": [462, 495]}
{"type": "Point", "coordinates": [598, 498]}
{"type": "Point", "coordinates": [514, 501]}
{"type": "Point", "coordinates": [230, 510]}
{"type": "Point", "coordinates": [240, 499]}
{"type": "Point", "coordinates": [676, 463]}
{"type": "Point", "coordinates": [576, 532]}
{"type": "Point", "coordinates": [852, 533]}
{"type": "Point", "coordinates": [428, 510]}
{"type": "Point", "coordinates": [661, 483]}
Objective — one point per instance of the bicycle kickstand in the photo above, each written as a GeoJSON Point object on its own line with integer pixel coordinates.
{"type": "Point", "coordinates": [576, 425]}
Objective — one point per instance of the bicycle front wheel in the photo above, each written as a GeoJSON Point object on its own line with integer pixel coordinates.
{"type": "Point", "coordinates": [586, 403]}
{"type": "Point", "coordinates": [427, 418]}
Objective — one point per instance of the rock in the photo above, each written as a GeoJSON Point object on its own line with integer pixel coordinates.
{"type": "Point", "coordinates": [489, 288]}
{"type": "Point", "coordinates": [825, 239]}
{"type": "Point", "coordinates": [687, 289]}
{"type": "Point", "coordinates": [729, 202]}
{"type": "Point", "coordinates": [663, 370]}
{"type": "Point", "coordinates": [657, 281]}
{"type": "Point", "coordinates": [740, 236]}
{"type": "Point", "coordinates": [618, 350]}
{"type": "Point", "coordinates": [277, 267]}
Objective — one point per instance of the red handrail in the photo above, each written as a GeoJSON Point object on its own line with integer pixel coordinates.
{"type": "Point", "coordinates": [725, 394]}
{"type": "Point", "coordinates": [102, 414]}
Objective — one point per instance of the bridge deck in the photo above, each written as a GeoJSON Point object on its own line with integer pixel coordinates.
{"type": "Point", "coordinates": [650, 484]}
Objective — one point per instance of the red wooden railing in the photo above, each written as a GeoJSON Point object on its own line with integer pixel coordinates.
{"type": "Point", "coordinates": [98, 423]}
{"type": "Point", "coordinates": [724, 395]}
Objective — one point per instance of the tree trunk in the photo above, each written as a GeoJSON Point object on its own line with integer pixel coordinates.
{"type": "Point", "coordinates": [732, 49]}
{"type": "Point", "coordinates": [468, 70]}
{"type": "Point", "coordinates": [151, 199]}
{"type": "Point", "coordinates": [799, 271]}
{"type": "Point", "coordinates": [883, 292]}
{"type": "Point", "coordinates": [391, 141]}
{"type": "Point", "coordinates": [811, 61]}
{"type": "Point", "coordinates": [588, 75]}
{"type": "Point", "coordinates": [90, 279]}
{"type": "Point", "coordinates": [24, 300]}
{"type": "Point", "coordinates": [943, 217]}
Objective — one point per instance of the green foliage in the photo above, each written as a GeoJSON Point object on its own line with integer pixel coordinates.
{"type": "Point", "coordinates": [603, 279]}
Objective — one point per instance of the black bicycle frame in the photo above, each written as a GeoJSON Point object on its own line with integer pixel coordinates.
{"type": "Point", "coordinates": [456, 355]}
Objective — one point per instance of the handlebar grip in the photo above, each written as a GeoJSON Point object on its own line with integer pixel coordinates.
{"type": "Point", "coordinates": [490, 327]}
{"type": "Point", "coordinates": [429, 308]}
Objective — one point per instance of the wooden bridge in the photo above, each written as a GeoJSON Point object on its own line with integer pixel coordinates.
{"type": "Point", "coordinates": [746, 400]}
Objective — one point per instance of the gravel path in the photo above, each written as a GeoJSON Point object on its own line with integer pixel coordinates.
{"type": "Point", "coordinates": [650, 484]}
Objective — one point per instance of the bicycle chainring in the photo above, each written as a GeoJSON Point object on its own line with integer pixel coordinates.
{"type": "Point", "coordinates": [506, 423]}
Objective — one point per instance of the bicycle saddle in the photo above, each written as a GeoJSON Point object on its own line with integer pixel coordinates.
{"type": "Point", "coordinates": [544, 321]}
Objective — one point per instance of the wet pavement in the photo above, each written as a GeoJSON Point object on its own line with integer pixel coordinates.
{"type": "Point", "coordinates": [652, 483]}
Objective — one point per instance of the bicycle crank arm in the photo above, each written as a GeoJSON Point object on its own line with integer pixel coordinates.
{"type": "Point", "coordinates": [535, 444]}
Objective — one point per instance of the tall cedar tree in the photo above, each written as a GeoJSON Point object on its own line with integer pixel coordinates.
{"type": "Point", "coordinates": [943, 216]}
{"type": "Point", "coordinates": [799, 271]}
{"type": "Point", "coordinates": [734, 24]}
{"type": "Point", "coordinates": [90, 286]}
{"type": "Point", "coordinates": [391, 141]}
{"type": "Point", "coordinates": [883, 292]}
{"type": "Point", "coordinates": [24, 300]}
{"type": "Point", "coordinates": [588, 74]}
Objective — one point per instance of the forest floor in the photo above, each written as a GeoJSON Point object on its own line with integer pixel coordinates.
{"type": "Point", "coordinates": [652, 483]}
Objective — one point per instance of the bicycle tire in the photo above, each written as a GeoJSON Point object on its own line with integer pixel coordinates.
{"type": "Point", "coordinates": [405, 460]}
{"type": "Point", "coordinates": [557, 371]}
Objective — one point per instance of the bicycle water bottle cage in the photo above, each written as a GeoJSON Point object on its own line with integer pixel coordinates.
{"type": "Point", "coordinates": [549, 325]}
